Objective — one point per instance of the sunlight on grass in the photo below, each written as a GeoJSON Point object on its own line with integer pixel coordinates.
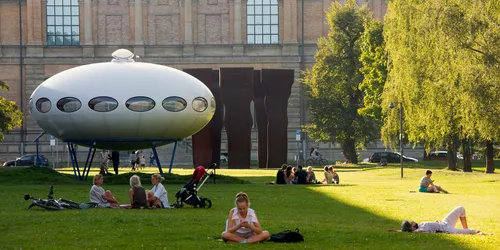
{"type": "Point", "coordinates": [353, 215]}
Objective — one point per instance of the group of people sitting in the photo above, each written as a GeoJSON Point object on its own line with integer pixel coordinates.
{"type": "Point", "coordinates": [139, 197]}
{"type": "Point", "coordinates": [295, 175]}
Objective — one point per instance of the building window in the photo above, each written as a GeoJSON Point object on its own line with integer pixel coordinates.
{"type": "Point", "coordinates": [63, 24]}
{"type": "Point", "coordinates": [103, 104]}
{"type": "Point", "coordinates": [140, 104]}
{"type": "Point", "coordinates": [262, 22]}
{"type": "Point", "coordinates": [200, 104]}
{"type": "Point", "coordinates": [69, 104]}
{"type": "Point", "coordinates": [43, 105]}
{"type": "Point", "coordinates": [174, 104]}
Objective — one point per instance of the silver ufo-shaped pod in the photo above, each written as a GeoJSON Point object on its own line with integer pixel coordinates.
{"type": "Point", "coordinates": [122, 104]}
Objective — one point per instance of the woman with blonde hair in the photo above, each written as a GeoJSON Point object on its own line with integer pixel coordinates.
{"type": "Point", "coordinates": [157, 197]}
{"type": "Point", "coordinates": [101, 197]}
{"type": "Point", "coordinates": [242, 225]}
{"type": "Point", "coordinates": [137, 194]}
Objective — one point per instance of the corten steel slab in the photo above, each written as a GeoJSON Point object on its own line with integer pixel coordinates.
{"type": "Point", "coordinates": [278, 85]}
{"type": "Point", "coordinates": [261, 117]}
{"type": "Point", "coordinates": [236, 94]}
{"type": "Point", "coordinates": [202, 141]}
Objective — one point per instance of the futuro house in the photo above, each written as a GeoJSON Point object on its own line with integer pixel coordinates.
{"type": "Point", "coordinates": [122, 104]}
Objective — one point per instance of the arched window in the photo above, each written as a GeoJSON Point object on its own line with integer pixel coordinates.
{"type": "Point", "coordinates": [69, 104]}
{"type": "Point", "coordinates": [262, 22]}
{"type": "Point", "coordinates": [140, 104]}
{"type": "Point", "coordinates": [103, 104]}
{"type": "Point", "coordinates": [200, 104]}
{"type": "Point", "coordinates": [43, 105]}
{"type": "Point", "coordinates": [63, 24]}
{"type": "Point", "coordinates": [174, 104]}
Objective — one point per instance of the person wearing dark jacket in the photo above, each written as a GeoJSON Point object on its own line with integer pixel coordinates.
{"type": "Point", "coordinates": [280, 175]}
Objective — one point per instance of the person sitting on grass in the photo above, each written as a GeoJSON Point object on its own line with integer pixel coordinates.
{"type": "Point", "coordinates": [311, 177]}
{"type": "Point", "coordinates": [137, 194]}
{"type": "Point", "coordinates": [300, 176]}
{"type": "Point", "coordinates": [280, 175]}
{"type": "Point", "coordinates": [335, 176]}
{"type": "Point", "coordinates": [447, 225]}
{"type": "Point", "coordinates": [427, 185]}
{"type": "Point", "coordinates": [101, 197]}
{"type": "Point", "coordinates": [157, 197]}
{"type": "Point", "coordinates": [242, 225]}
{"type": "Point", "coordinates": [328, 176]}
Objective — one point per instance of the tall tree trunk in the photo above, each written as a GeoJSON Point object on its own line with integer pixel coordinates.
{"type": "Point", "coordinates": [490, 164]}
{"type": "Point", "coordinates": [452, 156]}
{"type": "Point", "coordinates": [349, 152]}
{"type": "Point", "coordinates": [466, 146]}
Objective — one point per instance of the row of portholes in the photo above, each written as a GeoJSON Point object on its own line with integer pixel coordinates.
{"type": "Point", "coordinates": [137, 104]}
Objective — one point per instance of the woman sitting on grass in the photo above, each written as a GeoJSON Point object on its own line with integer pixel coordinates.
{"type": "Point", "coordinates": [447, 225]}
{"type": "Point", "coordinates": [137, 193]}
{"type": "Point", "coordinates": [328, 176]}
{"type": "Point", "coordinates": [335, 176]}
{"type": "Point", "coordinates": [157, 197]}
{"type": "Point", "coordinates": [242, 225]}
{"type": "Point", "coordinates": [101, 197]}
{"type": "Point", "coordinates": [427, 185]}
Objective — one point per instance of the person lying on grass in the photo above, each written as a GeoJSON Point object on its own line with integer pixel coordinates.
{"type": "Point", "coordinates": [427, 185]}
{"type": "Point", "coordinates": [157, 197]}
{"type": "Point", "coordinates": [242, 225]}
{"type": "Point", "coordinates": [101, 197]}
{"type": "Point", "coordinates": [447, 225]}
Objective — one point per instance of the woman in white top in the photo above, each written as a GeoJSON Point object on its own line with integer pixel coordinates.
{"type": "Point", "coordinates": [242, 223]}
{"type": "Point", "coordinates": [157, 197]}
{"type": "Point", "coordinates": [447, 225]}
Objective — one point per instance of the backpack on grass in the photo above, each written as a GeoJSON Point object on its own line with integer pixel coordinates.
{"type": "Point", "coordinates": [287, 236]}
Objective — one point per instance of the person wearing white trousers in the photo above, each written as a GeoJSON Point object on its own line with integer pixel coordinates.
{"type": "Point", "coordinates": [447, 225]}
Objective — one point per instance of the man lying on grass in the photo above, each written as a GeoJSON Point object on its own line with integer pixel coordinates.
{"type": "Point", "coordinates": [447, 225]}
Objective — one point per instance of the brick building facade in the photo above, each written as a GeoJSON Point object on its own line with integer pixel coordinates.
{"type": "Point", "coordinates": [61, 34]}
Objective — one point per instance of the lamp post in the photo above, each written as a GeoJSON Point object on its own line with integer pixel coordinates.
{"type": "Point", "coordinates": [392, 105]}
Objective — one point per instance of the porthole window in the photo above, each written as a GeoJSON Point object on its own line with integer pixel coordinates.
{"type": "Point", "coordinates": [212, 105]}
{"type": "Point", "coordinates": [43, 105]}
{"type": "Point", "coordinates": [200, 104]}
{"type": "Point", "coordinates": [174, 104]}
{"type": "Point", "coordinates": [140, 104]}
{"type": "Point", "coordinates": [30, 105]}
{"type": "Point", "coordinates": [69, 104]}
{"type": "Point", "coordinates": [103, 104]}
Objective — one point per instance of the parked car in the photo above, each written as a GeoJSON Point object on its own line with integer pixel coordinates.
{"type": "Point", "coordinates": [441, 155]}
{"type": "Point", "coordinates": [391, 157]}
{"type": "Point", "coordinates": [26, 160]}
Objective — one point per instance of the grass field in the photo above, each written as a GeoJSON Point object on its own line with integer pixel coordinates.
{"type": "Point", "coordinates": [353, 215]}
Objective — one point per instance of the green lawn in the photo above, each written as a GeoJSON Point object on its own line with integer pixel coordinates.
{"type": "Point", "coordinates": [353, 215]}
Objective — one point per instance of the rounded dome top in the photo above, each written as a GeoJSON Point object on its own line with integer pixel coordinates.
{"type": "Point", "coordinates": [122, 55]}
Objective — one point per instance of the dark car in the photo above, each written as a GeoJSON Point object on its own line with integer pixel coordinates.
{"type": "Point", "coordinates": [391, 157]}
{"type": "Point", "coordinates": [27, 160]}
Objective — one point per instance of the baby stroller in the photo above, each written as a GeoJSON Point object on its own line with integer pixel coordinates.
{"type": "Point", "coordinates": [189, 193]}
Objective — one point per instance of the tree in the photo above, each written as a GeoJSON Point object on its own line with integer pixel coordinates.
{"type": "Point", "coordinates": [10, 116]}
{"type": "Point", "coordinates": [444, 67]}
{"type": "Point", "coordinates": [333, 83]}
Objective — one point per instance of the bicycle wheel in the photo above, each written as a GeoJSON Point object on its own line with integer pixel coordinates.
{"type": "Point", "coordinates": [310, 162]}
{"type": "Point", "coordinates": [323, 162]}
{"type": "Point", "coordinates": [69, 204]}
